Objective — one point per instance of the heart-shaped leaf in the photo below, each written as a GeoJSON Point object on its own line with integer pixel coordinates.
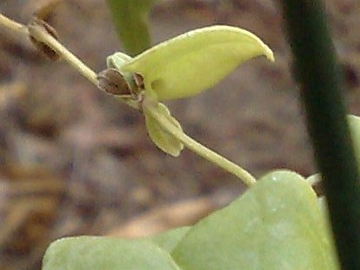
{"type": "Point", "coordinates": [105, 253]}
{"type": "Point", "coordinates": [276, 224]}
{"type": "Point", "coordinates": [194, 61]}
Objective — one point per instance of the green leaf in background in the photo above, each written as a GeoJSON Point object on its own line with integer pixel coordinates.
{"type": "Point", "coordinates": [164, 140]}
{"type": "Point", "coordinates": [130, 19]}
{"type": "Point", "coordinates": [169, 239]}
{"type": "Point", "coordinates": [194, 61]}
{"type": "Point", "coordinates": [276, 224]}
{"type": "Point", "coordinates": [354, 124]}
{"type": "Point", "coordinates": [105, 253]}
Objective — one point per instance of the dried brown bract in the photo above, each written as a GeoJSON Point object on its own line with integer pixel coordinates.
{"type": "Point", "coordinates": [47, 51]}
{"type": "Point", "coordinates": [111, 81]}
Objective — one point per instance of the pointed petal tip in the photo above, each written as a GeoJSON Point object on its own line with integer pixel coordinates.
{"type": "Point", "coordinates": [269, 54]}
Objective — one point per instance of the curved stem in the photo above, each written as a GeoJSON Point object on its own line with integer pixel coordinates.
{"type": "Point", "coordinates": [198, 148]}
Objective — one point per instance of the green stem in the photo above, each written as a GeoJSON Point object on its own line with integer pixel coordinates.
{"type": "Point", "coordinates": [321, 87]}
{"type": "Point", "coordinates": [12, 25]}
{"type": "Point", "coordinates": [42, 36]}
{"type": "Point", "coordinates": [200, 149]}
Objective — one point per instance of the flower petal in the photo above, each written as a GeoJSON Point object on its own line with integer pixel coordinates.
{"type": "Point", "coordinates": [164, 140]}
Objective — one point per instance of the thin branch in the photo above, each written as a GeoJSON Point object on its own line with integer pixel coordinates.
{"type": "Point", "coordinates": [200, 149]}
{"type": "Point", "coordinates": [42, 36]}
{"type": "Point", "coordinates": [12, 25]}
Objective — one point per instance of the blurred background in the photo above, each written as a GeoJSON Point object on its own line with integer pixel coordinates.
{"type": "Point", "coordinates": [76, 161]}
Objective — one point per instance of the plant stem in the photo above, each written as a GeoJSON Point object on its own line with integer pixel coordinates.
{"type": "Point", "coordinates": [318, 74]}
{"type": "Point", "coordinates": [200, 149]}
{"type": "Point", "coordinates": [42, 36]}
{"type": "Point", "coordinates": [12, 25]}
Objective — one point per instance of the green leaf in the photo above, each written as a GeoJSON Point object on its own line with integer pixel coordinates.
{"type": "Point", "coordinates": [354, 124]}
{"type": "Point", "coordinates": [130, 19]}
{"type": "Point", "coordinates": [117, 60]}
{"type": "Point", "coordinates": [277, 224]}
{"type": "Point", "coordinates": [164, 140]}
{"type": "Point", "coordinates": [105, 253]}
{"type": "Point", "coordinates": [194, 61]}
{"type": "Point", "coordinates": [169, 239]}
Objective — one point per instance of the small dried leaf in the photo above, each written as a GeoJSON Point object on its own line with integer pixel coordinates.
{"type": "Point", "coordinates": [116, 61]}
{"type": "Point", "coordinates": [43, 8]}
{"type": "Point", "coordinates": [111, 81]}
{"type": "Point", "coordinates": [47, 51]}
